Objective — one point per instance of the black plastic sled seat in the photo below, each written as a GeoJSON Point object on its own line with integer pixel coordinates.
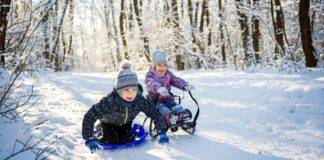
{"type": "Point", "coordinates": [187, 123]}
{"type": "Point", "coordinates": [138, 130]}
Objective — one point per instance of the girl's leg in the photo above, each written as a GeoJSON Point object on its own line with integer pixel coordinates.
{"type": "Point", "coordinates": [174, 107]}
{"type": "Point", "coordinates": [177, 109]}
{"type": "Point", "coordinates": [163, 108]}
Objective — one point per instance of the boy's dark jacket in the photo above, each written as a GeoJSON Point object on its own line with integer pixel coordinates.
{"type": "Point", "coordinates": [109, 110]}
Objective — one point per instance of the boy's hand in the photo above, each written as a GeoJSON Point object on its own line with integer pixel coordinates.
{"type": "Point", "coordinates": [164, 139]}
{"type": "Point", "coordinates": [163, 91]}
{"type": "Point", "coordinates": [91, 143]}
{"type": "Point", "coordinates": [189, 87]}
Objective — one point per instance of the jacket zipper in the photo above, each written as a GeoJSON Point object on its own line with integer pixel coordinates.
{"type": "Point", "coordinates": [126, 115]}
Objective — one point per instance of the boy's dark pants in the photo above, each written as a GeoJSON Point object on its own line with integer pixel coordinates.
{"type": "Point", "coordinates": [114, 134]}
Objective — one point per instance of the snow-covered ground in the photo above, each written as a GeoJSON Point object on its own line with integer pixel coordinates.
{"type": "Point", "coordinates": [244, 115]}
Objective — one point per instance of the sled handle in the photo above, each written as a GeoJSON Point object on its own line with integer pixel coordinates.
{"type": "Point", "coordinates": [197, 113]}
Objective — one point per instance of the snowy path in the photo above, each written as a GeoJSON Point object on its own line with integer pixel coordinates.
{"type": "Point", "coordinates": [250, 116]}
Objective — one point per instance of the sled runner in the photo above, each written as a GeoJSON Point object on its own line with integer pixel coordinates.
{"type": "Point", "coordinates": [187, 124]}
{"type": "Point", "coordinates": [140, 135]}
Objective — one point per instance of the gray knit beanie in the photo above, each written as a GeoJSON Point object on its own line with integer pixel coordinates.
{"type": "Point", "coordinates": [159, 57]}
{"type": "Point", "coordinates": [126, 78]}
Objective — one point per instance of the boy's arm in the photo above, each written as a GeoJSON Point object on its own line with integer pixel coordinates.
{"type": "Point", "coordinates": [177, 81]}
{"type": "Point", "coordinates": [93, 114]}
{"type": "Point", "coordinates": [152, 84]}
{"type": "Point", "coordinates": [151, 111]}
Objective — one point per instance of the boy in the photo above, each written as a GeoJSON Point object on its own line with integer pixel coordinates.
{"type": "Point", "coordinates": [117, 111]}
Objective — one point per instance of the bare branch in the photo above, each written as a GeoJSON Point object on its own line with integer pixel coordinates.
{"type": "Point", "coordinates": [39, 152]}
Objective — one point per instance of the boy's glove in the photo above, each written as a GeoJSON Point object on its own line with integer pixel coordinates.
{"type": "Point", "coordinates": [163, 91]}
{"type": "Point", "coordinates": [189, 87]}
{"type": "Point", "coordinates": [91, 143]}
{"type": "Point", "coordinates": [164, 139]}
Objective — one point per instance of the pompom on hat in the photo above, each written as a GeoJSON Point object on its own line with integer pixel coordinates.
{"type": "Point", "coordinates": [126, 78]}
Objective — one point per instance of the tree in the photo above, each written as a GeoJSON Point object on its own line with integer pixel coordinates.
{"type": "Point", "coordinates": [278, 26]}
{"type": "Point", "coordinates": [122, 19]}
{"type": "Point", "coordinates": [193, 19]}
{"type": "Point", "coordinates": [112, 8]}
{"type": "Point", "coordinates": [175, 25]}
{"type": "Point", "coordinates": [209, 37]}
{"type": "Point", "coordinates": [256, 32]}
{"type": "Point", "coordinates": [67, 37]}
{"type": "Point", "coordinates": [243, 20]}
{"type": "Point", "coordinates": [4, 10]}
{"type": "Point", "coordinates": [138, 11]}
{"type": "Point", "coordinates": [306, 33]}
{"type": "Point", "coordinates": [109, 33]}
{"type": "Point", "coordinates": [45, 30]}
{"type": "Point", "coordinates": [130, 16]}
{"type": "Point", "coordinates": [221, 30]}
{"type": "Point", "coordinates": [193, 23]}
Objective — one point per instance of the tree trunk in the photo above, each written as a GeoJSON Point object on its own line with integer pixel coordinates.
{"type": "Point", "coordinates": [4, 10]}
{"type": "Point", "coordinates": [182, 9]}
{"type": "Point", "coordinates": [256, 33]}
{"type": "Point", "coordinates": [209, 28]}
{"type": "Point", "coordinates": [57, 31]}
{"type": "Point", "coordinates": [166, 7]}
{"type": "Point", "coordinates": [130, 16]}
{"type": "Point", "coordinates": [109, 34]}
{"type": "Point", "coordinates": [46, 30]}
{"type": "Point", "coordinates": [306, 34]}
{"type": "Point", "coordinates": [115, 30]}
{"type": "Point", "coordinates": [202, 15]}
{"type": "Point", "coordinates": [196, 15]}
{"type": "Point", "coordinates": [66, 37]}
{"type": "Point", "coordinates": [204, 7]}
{"type": "Point", "coordinates": [179, 62]}
{"type": "Point", "coordinates": [193, 26]}
{"type": "Point", "coordinates": [277, 20]}
{"type": "Point", "coordinates": [221, 30]}
{"type": "Point", "coordinates": [175, 24]}
{"type": "Point", "coordinates": [70, 39]}
{"type": "Point", "coordinates": [122, 18]}
{"type": "Point", "coordinates": [138, 12]}
{"type": "Point", "coordinates": [244, 27]}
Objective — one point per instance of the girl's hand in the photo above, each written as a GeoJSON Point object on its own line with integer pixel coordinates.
{"type": "Point", "coordinates": [163, 91]}
{"type": "Point", "coordinates": [189, 87]}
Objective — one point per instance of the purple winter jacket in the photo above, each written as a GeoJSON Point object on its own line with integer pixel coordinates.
{"type": "Point", "coordinates": [153, 82]}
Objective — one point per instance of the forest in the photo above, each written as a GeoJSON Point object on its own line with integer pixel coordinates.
{"type": "Point", "coordinates": [84, 36]}
{"type": "Point", "coordinates": [57, 57]}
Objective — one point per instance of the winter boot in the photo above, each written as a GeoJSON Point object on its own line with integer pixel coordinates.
{"type": "Point", "coordinates": [184, 117]}
{"type": "Point", "coordinates": [171, 121]}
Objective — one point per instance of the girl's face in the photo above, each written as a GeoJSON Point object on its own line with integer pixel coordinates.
{"type": "Point", "coordinates": [129, 94]}
{"type": "Point", "coordinates": [160, 69]}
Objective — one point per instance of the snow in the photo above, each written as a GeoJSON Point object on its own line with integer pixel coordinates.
{"type": "Point", "coordinates": [244, 115]}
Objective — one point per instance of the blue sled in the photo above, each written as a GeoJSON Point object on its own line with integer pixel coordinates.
{"type": "Point", "coordinates": [140, 135]}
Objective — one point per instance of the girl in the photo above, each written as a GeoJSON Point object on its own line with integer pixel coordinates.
{"type": "Point", "coordinates": [158, 83]}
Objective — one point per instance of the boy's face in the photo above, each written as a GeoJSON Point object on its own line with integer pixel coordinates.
{"type": "Point", "coordinates": [129, 94]}
{"type": "Point", "coordinates": [160, 69]}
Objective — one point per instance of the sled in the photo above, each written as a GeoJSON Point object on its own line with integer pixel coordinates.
{"type": "Point", "coordinates": [140, 135]}
{"type": "Point", "coordinates": [187, 126]}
